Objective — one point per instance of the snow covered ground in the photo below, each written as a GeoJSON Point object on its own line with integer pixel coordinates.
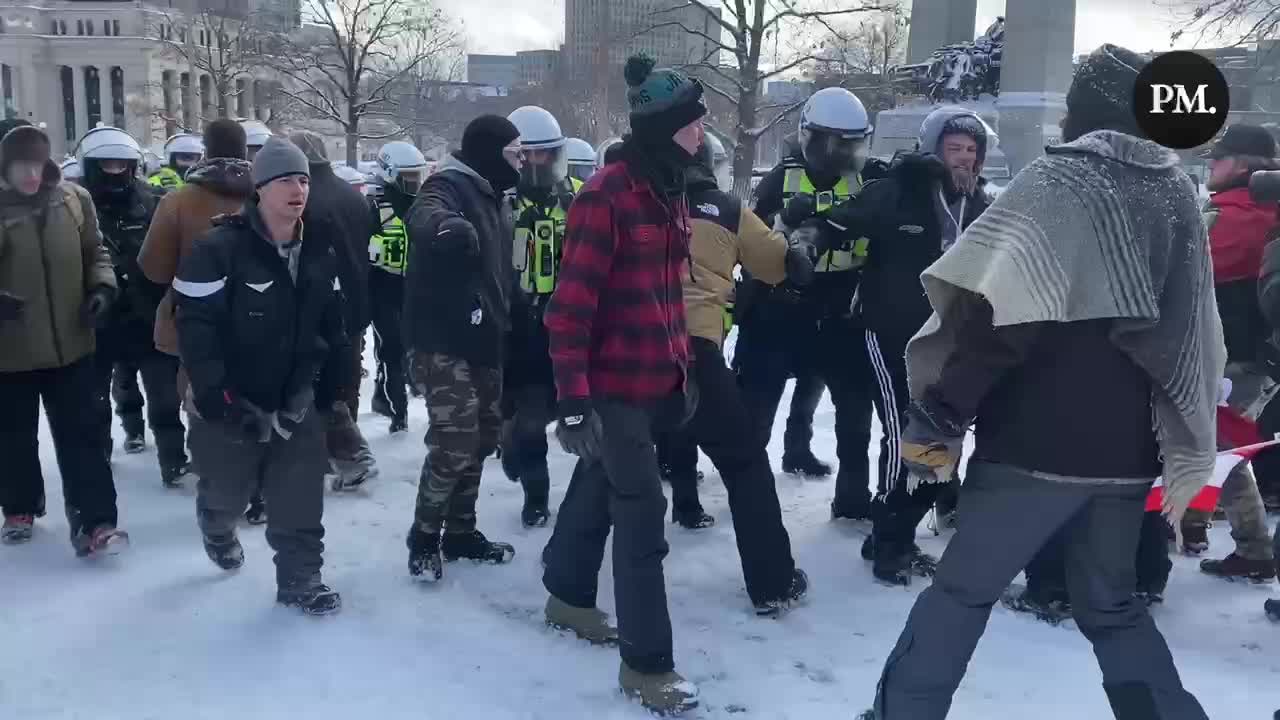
{"type": "Point", "coordinates": [161, 633]}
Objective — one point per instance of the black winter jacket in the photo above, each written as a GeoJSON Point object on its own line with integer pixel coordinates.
{"type": "Point", "coordinates": [338, 215]}
{"type": "Point", "coordinates": [459, 304]}
{"type": "Point", "coordinates": [898, 214]}
{"type": "Point", "coordinates": [243, 323]}
{"type": "Point", "coordinates": [123, 221]}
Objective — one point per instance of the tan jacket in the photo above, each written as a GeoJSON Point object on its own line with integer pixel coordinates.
{"type": "Point", "coordinates": [214, 187]}
{"type": "Point", "coordinates": [716, 250]}
{"type": "Point", "coordinates": [52, 269]}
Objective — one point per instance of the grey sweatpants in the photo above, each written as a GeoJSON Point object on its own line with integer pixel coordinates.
{"type": "Point", "coordinates": [1009, 513]}
{"type": "Point", "coordinates": [291, 474]}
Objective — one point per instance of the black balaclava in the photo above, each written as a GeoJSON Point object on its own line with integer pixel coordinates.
{"type": "Point", "coordinates": [107, 188]}
{"type": "Point", "coordinates": [1101, 93]}
{"type": "Point", "coordinates": [482, 144]}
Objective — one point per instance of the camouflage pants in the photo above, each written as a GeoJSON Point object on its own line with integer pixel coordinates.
{"type": "Point", "coordinates": [463, 403]}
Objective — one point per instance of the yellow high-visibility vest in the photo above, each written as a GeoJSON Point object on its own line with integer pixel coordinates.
{"type": "Point", "coordinates": [389, 249]}
{"type": "Point", "coordinates": [852, 254]}
{"type": "Point", "coordinates": [540, 232]}
{"type": "Point", "coordinates": [167, 178]}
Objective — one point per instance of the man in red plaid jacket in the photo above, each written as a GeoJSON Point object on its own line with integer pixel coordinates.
{"type": "Point", "coordinates": [620, 353]}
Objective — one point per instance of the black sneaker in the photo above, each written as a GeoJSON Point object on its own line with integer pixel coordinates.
{"type": "Point", "coordinates": [312, 598]}
{"type": "Point", "coordinates": [475, 546]}
{"type": "Point", "coordinates": [692, 519]}
{"type": "Point", "coordinates": [425, 564]}
{"type": "Point", "coordinates": [805, 464]}
{"type": "Point", "coordinates": [257, 512]}
{"type": "Point", "coordinates": [399, 425]}
{"type": "Point", "coordinates": [922, 563]}
{"type": "Point", "coordinates": [535, 514]}
{"type": "Point", "coordinates": [226, 553]}
{"type": "Point", "coordinates": [171, 475]}
{"type": "Point", "coordinates": [799, 588]}
{"type": "Point", "coordinates": [890, 566]}
{"type": "Point", "coordinates": [135, 443]}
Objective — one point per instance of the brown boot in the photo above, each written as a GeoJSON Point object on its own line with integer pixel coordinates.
{"type": "Point", "coordinates": [663, 694]}
{"type": "Point", "coordinates": [1234, 567]}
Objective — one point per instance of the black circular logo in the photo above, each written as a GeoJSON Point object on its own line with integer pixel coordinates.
{"type": "Point", "coordinates": [1181, 100]}
{"type": "Point", "coordinates": [544, 232]}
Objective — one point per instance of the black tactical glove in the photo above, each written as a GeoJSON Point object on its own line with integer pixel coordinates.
{"type": "Point", "coordinates": [456, 235]}
{"type": "Point", "coordinates": [238, 414]}
{"type": "Point", "coordinates": [96, 305]}
{"type": "Point", "coordinates": [579, 430]}
{"type": "Point", "coordinates": [802, 253]}
{"type": "Point", "coordinates": [290, 417]}
{"type": "Point", "coordinates": [798, 209]}
{"type": "Point", "coordinates": [12, 307]}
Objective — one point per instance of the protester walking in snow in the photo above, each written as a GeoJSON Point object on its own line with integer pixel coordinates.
{"type": "Point", "coordinates": [1239, 228]}
{"type": "Point", "coordinates": [1269, 302]}
{"type": "Point", "coordinates": [909, 218]}
{"type": "Point", "coordinates": [620, 354]}
{"type": "Point", "coordinates": [338, 216]}
{"type": "Point", "coordinates": [1111, 324]}
{"type": "Point", "coordinates": [259, 312]}
{"type": "Point", "coordinates": [56, 287]}
{"type": "Point", "coordinates": [457, 313]}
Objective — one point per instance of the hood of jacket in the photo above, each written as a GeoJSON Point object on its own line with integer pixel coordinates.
{"type": "Point", "coordinates": [931, 128]}
{"type": "Point", "coordinates": [1120, 148]}
{"type": "Point", "coordinates": [224, 176]}
{"type": "Point", "coordinates": [452, 163]}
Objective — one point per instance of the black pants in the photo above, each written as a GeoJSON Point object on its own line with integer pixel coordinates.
{"type": "Point", "coordinates": [774, 347]}
{"type": "Point", "coordinates": [118, 379]}
{"type": "Point", "coordinates": [386, 295]}
{"type": "Point", "coordinates": [678, 455]}
{"type": "Point", "coordinates": [530, 409]}
{"type": "Point", "coordinates": [1047, 571]}
{"type": "Point", "coordinates": [622, 492]}
{"type": "Point", "coordinates": [87, 485]}
{"type": "Point", "coordinates": [804, 403]}
{"type": "Point", "coordinates": [895, 511]}
{"type": "Point", "coordinates": [721, 427]}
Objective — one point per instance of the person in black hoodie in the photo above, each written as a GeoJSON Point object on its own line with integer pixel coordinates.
{"type": "Point", "coordinates": [337, 215]}
{"type": "Point", "coordinates": [458, 292]}
{"type": "Point", "coordinates": [259, 313]}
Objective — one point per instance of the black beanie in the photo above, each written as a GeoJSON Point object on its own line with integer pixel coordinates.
{"type": "Point", "coordinates": [224, 138]}
{"type": "Point", "coordinates": [662, 101]}
{"type": "Point", "coordinates": [482, 144]}
{"type": "Point", "coordinates": [1101, 94]}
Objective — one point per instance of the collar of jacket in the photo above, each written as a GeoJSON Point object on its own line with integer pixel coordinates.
{"type": "Point", "coordinates": [451, 163]}
{"type": "Point", "coordinates": [251, 217]}
{"type": "Point", "coordinates": [226, 176]}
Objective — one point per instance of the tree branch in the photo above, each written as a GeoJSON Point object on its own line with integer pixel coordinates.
{"type": "Point", "coordinates": [791, 108]}
{"type": "Point", "coordinates": [705, 8]}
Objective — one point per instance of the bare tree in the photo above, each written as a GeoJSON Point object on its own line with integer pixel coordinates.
{"type": "Point", "coordinates": [348, 63]}
{"type": "Point", "coordinates": [1237, 22]}
{"type": "Point", "coordinates": [873, 47]}
{"type": "Point", "coordinates": [218, 46]}
{"type": "Point", "coordinates": [748, 29]}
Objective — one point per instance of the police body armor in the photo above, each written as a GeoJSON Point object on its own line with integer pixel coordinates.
{"type": "Point", "coordinates": [389, 249]}
{"type": "Point", "coordinates": [852, 254]}
{"type": "Point", "coordinates": [166, 178]}
{"type": "Point", "coordinates": [124, 227]}
{"type": "Point", "coordinates": [539, 241]}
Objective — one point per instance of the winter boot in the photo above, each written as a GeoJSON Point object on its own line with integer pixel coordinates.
{"type": "Point", "coordinates": [171, 475]}
{"type": "Point", "coordinates": [506, 442]}
{"type": "Point", "coordinates": [399, 424]}
{"type": "Point", "coordinates": [1195, 534]}
{"type": "Point", "coordinates": [590, 624]}
{"type": "Point", "coordinates": [803, 462]}
{"type": "Point", "coordinates": [102, 540]}
{"type": "Point", "coordinates": [666, 471]}
{"type": "Point", "coordinates": [226, 553]}
{"type": "Point", "coordinates": [535, 513]}
{"type": "Point", "coordinates": [694, 519]}
{"type": "Point", "coordinates": [135, 443]}
{"type": "Point", "coordinates": [1132, 701]}
{"type": "Point", "coordinates": [17, 529]}
{"type": "Point", "coordinates": [311, 596]}
{"type": "Point", "coordinates": [1234, 567]}
{"type": "Point", "coordinates": [380, 405]}
{"type": "Point", "coordinates": [1272, 608]}
{"type": "Point", "coordinates": [663, 694]}
{"type": "Point", "coordinates": [475, 546]}
{"type": "Point", "coordinates": [856, 508]}
{"type": "Point", "coordinates": [257, 512]}
{"type": "Point", "coordinates": [1050, 605]}
{"type": "Point", "coordinates": [425, 564]}
{"type": "Point", "coordinates": [799, 588]}
{"type": "Point", "coordinates": [922, 563]}
{"type": "Point", "coordinates": [890, 564]}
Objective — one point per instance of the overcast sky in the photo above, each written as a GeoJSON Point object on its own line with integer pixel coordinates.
{"type": "Point", "coordinates": [505, 26]}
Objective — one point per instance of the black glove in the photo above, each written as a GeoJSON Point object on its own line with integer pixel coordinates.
{"type": "Point", "coordinates": [802, 254]}
{"type": "Point", "coordinates": [224, 406]}
{"type": "Point", "coordinates": [290, 417]}
{"type": "Point", "coordinates": [579, 430]}
{"type": "Point", "coordinates": [12, 307]}
{"type": "Point", "coordinates": [398, 199]}
{"type": "Point", "coordinates": [456, 235]}
{"type": "Point", "coordinates": [798, 209]}
{"type": "Point", "coordinates": [96, 305]}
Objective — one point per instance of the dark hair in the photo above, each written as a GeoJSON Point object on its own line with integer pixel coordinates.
{"type": "Point", "coordinates": [613, 153]}
{"type": "Point", "coordinates": [224, 138]}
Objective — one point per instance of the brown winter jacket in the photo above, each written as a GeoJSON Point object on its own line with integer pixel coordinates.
{"type": "Point", "coordinates": [216, 186]}
{"type": "Point", "coordinates": [725, 233]}
{"type": "Point", "coordinates": [52, 266]}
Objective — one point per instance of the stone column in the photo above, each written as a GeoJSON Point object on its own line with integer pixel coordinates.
{"type": "Point", "coordinates": [1035, 75]}
{"type": "Point", "coordinates": [935, 23]}
{"type": "Point", "coordinates": [81, 102]}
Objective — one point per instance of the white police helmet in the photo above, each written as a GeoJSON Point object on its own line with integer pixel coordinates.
{"type": "Point", "coordinates": [543, 144]}
{"type": "Point", "coordinates": [833, 131]}
{"type": "Point", "coordinates": [183, 144]}
{"type": "Point", "coordinates": [108, 143]}
{"type": "Point", "coordinates": [256, 133]}
{"type": "Point", "coordinates": [72, 170]}
{"type": "Point", "coordinates": [581, 158]}
{"type": "Point", "coordinates": [401, 163]}
{"type": "Point", "coordinates": [602, 150]}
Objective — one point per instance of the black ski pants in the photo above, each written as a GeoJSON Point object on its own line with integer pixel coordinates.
{"type": "Point", "coordinates": [678, 456]}
{"type": "Point", "coordinates": [1009, 514]}
{"type": "Point", "coordinates": [530, 408]}
{"type": "Point", "coordinates": [87, 485]}
{"type": "Point", "coordinates": [386, 295]}
{"type": "Point", "coordinates": [117, 379]}
{"type": "Point", "coordinates": [620, 491]}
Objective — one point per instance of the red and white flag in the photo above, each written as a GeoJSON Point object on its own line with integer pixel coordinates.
{"type": "Point", "coordinates": [1233, 429]}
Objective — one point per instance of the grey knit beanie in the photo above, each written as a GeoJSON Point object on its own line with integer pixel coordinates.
{"type": "Point", "coordinates": [312, 145]}
{"type": "Point", "coordinates": [278, 158]}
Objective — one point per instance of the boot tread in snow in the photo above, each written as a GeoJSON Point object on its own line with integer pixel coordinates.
{"type": "Point", "coordinates": [317, 599]}
{"type": "Point", "coordinates": [1235, 567]}
{"type": "Point", "coordinates": [590, 624]}
{"type": "Point", "coordinates": [535, 515]}
{"type": "Point", "coordinates": [475, 546]}
{"type": "Point", "coordinates": [134, 444]}
{"type": "Point", "coordinates": [664, 694]}
{"type": "Point", "coordinates": [257, 512]}
{"type": "Point", "coordinates": [226, 553]}
{"type": "Point", "coordinates": [18, 529]}
{"type": "Point", "coordinates": [1052, 611]}
{"type": "Point", "coordinates": [798, 590]}
{"type": "Point", "coordinates": [692, 520]}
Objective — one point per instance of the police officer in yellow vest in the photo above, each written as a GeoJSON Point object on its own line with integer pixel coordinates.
{"type": "Point", "coordinates": [181, 152]}
{"type": "Point", "coordinates": [808, 333]}
{"type": "Point", "coordinates": [401, 170]}
{"type": "Point", "coordinates": [540, 206]}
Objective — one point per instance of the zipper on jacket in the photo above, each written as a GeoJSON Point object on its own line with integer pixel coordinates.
{"type": "Point", "coordinates": [41, 226]}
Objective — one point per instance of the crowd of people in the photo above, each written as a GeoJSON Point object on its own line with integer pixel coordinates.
{"type": "Point", "coordinates": [1090, 329]}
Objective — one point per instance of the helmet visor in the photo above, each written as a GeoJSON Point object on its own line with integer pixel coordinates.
{"type": "Point", "coordinates": [829, 153]}
{"type": "Point", "coordinates": [410, 180]}
{"type": "Point", "coordinates": [543, 168]}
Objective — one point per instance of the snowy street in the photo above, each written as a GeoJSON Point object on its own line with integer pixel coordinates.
{"type": "Point", "coordinates": [161, 633]}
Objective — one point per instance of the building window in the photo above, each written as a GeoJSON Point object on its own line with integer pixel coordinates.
{"type": "Point", "coordinates": [92, 97]}
{"type": "Point", "coordinates": [6, 79]}
{"type": "Point", "coordinates": [62, 27]}
{"type": "Point", "coordinates": [117, 96]}
{"type": "Point", "coordinates": [106, 27]}
{"type": "Point", "coordinates": [206, 98]}
{"type": "Point", "coordinates": [166, 98]}
{"type": "Point", "coordinates": [115, 28]}
{"type": "Point", "coordinates": [88, 27]}
{"type": "Point", "coordinates": [188, 107]}
{"type": "Point", "coordinates": [68, 105]}
{"type": "Point", "coordinates": [79, 27]}
{"type": "Point", "coordinates": [53, 27]}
